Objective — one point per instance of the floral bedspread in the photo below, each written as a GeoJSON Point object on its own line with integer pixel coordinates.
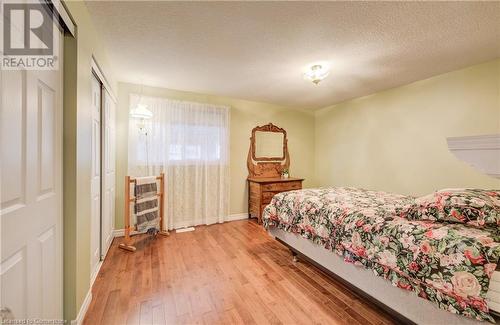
{"type": "Point", "coordinates": [449, 264]}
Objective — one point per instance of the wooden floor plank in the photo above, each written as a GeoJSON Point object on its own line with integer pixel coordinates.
{"type": "Point", "coordinates": [231, 273]}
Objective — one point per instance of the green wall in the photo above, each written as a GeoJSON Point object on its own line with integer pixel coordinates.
{"type": "Point", "coordinates": [77, 153]}
{"type": "Point", "coordinates": [395, 140]}
{"type": "Point", "coordinates": [245, 115]}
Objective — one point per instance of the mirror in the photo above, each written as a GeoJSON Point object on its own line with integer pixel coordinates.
{"type": "Point", "coordinates": [269, 145]}
{"type": "Point", "coordinates": [268, 154]}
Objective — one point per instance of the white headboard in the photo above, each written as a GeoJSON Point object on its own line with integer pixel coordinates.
{"type": "Point", "coordinates": [482, 152]}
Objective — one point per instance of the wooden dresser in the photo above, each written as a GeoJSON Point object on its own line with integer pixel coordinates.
{"type": "Point", "coordinates": [268, 159]}
{"type": "Point", "coordinates": [262, 190]}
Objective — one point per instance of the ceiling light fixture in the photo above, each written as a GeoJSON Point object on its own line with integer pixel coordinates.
{"type": "Point", "coordinates": [316, 73]}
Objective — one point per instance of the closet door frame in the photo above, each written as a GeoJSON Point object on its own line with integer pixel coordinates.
{"type": "Point", "coordinates": [108, 170]}
{"type": "Point", "coordinates": [31, 205]}
{"type": "Point", "coordinates": [106, 151]}
{"type": "Point", "coordinates": [96, 177]}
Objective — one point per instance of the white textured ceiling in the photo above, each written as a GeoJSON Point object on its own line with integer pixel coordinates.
{"type": "Point", "coordinates": [258, 50]}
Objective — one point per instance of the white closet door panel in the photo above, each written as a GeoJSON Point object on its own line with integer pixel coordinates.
{"type": "Point", "coordinates": [31, 192]}
{"type": "Point", "coordinates": [14, 280]}
{"type": "Point", "coordinates": [95, 181]}
{"type": "Point", "coordinates": [46, 138]}
{"type": "Point", "coordinates": [109, 171]}
{"type": "Point", "coordinates": [46, 251]}
{"type": "Point", "coordinates": [13, 142]}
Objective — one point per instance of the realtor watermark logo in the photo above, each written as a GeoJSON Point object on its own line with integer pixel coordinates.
{"type": "Point", "coordinates": [30, 41]}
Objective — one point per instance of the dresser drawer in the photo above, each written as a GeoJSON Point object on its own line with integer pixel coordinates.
{"type": "Point", "coordinates": [268, 196]}
{"type": "Point", "coordinates": [254, 187]}
{"type": "Point", "coordinates": [262, 191]}
{"type": "Point", "coordinates": [280, 187]}
{"type": "Point", "coordinates": [254, 208]}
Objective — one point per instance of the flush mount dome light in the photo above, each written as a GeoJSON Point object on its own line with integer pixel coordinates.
{"type": "Point", "coordinates": [316, 73]}
{"type": "Point", "coordinates": [141, 112]}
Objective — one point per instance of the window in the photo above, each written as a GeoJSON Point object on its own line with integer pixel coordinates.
{"type": "Point", "coordinates": [180, 133]}
{"type": "Point", "coordinates": [189, 142]}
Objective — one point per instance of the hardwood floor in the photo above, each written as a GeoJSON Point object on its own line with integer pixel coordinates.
{"type": "Point", "coordinates": [226, 273]}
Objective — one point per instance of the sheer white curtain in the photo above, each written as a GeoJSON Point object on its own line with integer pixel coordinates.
{"type": "Point", "coordinates": [190, 143]}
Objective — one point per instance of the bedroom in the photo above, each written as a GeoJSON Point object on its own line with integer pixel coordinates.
{"type": "Point", "coordinates": [326, 162]}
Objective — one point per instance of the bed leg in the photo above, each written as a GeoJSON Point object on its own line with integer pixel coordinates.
{"type": "Point", "coordinates": [294, 256]}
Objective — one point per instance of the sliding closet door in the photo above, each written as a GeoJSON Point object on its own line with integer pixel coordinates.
{"type": "Point", "coordinates": [95, 217]}
{"type": "Point", "coordinates": [31, 192]}
{"type": "Point", "coordinates": [108, 210]}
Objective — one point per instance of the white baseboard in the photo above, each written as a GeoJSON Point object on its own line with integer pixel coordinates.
{"type": "Point", "coordinates": [232, 217]}
{"type": "Point", "coordinates": [118, 232]}
{"type": "Point", "coordinates": [106, 249]}
{"type": "Point", "coordinates": [88, 298]}
{"type": "Point", "coordinates": [83, 309]}
{"type": "Point", "coordinates": [121, 232]}
{"type": "Point", "coordinates": [94, 275]}
{"type": "Point", "coordinates": [237, 216]}
{"type": "Point", "coordinates": [98, 268]}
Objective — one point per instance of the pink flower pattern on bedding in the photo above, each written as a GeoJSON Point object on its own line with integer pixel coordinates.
{"type": "Point", "coordinates": [471, 206]}
{"type": "Point", "coordinates": [449, 264]}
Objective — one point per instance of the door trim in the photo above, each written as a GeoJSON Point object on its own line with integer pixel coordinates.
{"type": "Point", "coordinates": [95, 267]}
{"type": "Point", "coordinates": [83, 309]}
{"type": "Point", "coordinates": [104, 89]}
{"type": "Point", "coordinates": [100, 76]}
{"type": "Point", "coordinates": [61, 13]}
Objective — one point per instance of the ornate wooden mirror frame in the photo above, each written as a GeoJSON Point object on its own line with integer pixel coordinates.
{"type": "Point", "coordinates": [262, 167]}
{"type": "Point", "coordinates": [267, 128]}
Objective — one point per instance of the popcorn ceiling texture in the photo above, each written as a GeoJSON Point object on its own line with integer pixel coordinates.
{"type": "Point", "coordinates": [258, 50]}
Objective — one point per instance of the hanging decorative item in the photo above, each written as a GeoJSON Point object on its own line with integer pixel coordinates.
{"type": "Point", "coordinates": [141, 113]}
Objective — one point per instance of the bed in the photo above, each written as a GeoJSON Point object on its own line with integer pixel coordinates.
{"type": "Point", "coordinates": [451, 265]}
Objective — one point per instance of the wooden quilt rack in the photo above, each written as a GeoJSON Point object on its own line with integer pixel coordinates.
{"type": "Point", "coordinates": [127, 244]}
